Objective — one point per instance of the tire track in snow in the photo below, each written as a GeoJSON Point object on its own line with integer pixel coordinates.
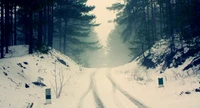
{"type": "Point", "coordinates": [132, 99]}
{"type": "Point", "coordinates": [92, 88]}
{"type": "Point", "coordinates": [107, 91]}
{"type": "Point", "coordinates": [98, 101]}
{"type": "Point", "coordinates": [86, 93]}
{"type": "Point", "coordinates": [115, 97]}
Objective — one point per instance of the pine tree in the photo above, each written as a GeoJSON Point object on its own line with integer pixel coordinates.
{"type": "Point", "coordinates": [2, 29]}
{"type": "Point", "coordinates": [35, 23]}
{"type": "Point", "coordinates": [142, 19]}
{"type": "Point", "coordinates": [73, 25]}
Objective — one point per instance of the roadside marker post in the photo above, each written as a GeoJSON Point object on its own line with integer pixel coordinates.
{"type": "Point", "coordinates": [160, 82]}
{"type": "Point", "coordinates": [48, 95]}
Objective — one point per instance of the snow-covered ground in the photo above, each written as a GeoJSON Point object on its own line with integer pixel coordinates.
{"type": "Point", "coordinates": [127, 86]}
{"type": "Point", "coordinates": [172, 95]}
{"type": "Point", "coordinates": [181, 87]}
{"type": "Point", "coordinates": [19, 68]}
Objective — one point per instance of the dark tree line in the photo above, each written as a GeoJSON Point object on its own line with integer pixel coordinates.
{"type": "Point", "coordinates": [26, 22]}
{"type": "Point", "coordinates": [38, 23]}
{"type": "Point", "coordinates": [147, 21]}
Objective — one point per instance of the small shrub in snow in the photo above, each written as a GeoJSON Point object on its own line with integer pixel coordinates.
{"type": "Point", "coordinates": [59, 82]}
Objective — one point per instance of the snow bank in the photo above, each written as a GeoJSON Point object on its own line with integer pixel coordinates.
{"type": "Point", "coordinates": [18, 70]}
{"type": "Point", "coordinates": [142, 83]}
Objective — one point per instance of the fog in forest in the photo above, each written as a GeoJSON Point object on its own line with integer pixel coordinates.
{"type": "Point", "coordinates": [114, 52]}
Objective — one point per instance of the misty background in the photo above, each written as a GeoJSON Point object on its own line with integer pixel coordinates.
{"type": "Point", "coordinates": [99, 33]}
{"type": "Point", "coordinates": [114, 52]}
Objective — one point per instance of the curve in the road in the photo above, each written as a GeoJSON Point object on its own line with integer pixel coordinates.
{"type": "Point", "coordinates": [132, 99]}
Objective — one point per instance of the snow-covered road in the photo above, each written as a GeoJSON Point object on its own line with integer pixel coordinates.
{"type": "Point", "coordinates": [103, 92]}
{"type": "Point", "coordinates": [127, 86]}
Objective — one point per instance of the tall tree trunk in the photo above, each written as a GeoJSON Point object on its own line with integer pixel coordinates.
{"type": "Point", "coordinates": [145, 18]}
{"type": "Point", "coordinates": [50, 25]}
{"type": "Point", "coordinates": [26, 30]}
{"type": "Point", "coordinates": [145, 25]}
{"type": "Point", "coordinates": [15, 24]}
{"type": "Point", "coordinates": [60, 33]}
{"type": "Point", "coordinates": [148, 27]}
{"type": "Point", "coordinates": [7, 25]}
{"type": "Point", "coordinates": [60, 28]}
{"type": "Point", "coordinates": [2, 29]}
{"type": "Point", "coordinates": [30, 31]}
{"type": "Point", "coordinates": [11, 24]}
{"type": "Point", "coordinates": [45, 26]}
{"type": "Point", "coordinates": [164, 19]}
{"type": "Point", "coordinates": [39, 45]}
{"type": "Point", "coordinates": [153, 23]}
{"type": "Point", "coordinates": [65, 37]}
{"type": "Point", "coordinates": [161, 21]}
{"type": "Point", "coordinates": [171, 28]}
{"type": "Point", "coordinates": [148, 24]}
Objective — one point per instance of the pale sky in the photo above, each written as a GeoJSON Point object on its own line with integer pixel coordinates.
{"type": "Point", "coordinates": [114, 52]}
{"type": "Point", "coordinates": [103, 16]}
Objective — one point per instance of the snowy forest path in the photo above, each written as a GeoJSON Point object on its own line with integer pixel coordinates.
{"type": "Point", "coordinates": [91, 90]}
{"type": "Point", "coordinates": [126, 94]}
{"type": "Point", "coordinates": [103, 92]}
